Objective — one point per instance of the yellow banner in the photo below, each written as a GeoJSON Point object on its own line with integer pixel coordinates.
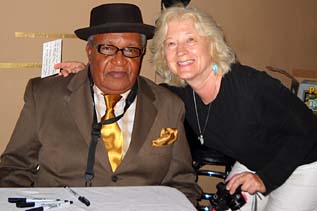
{"type": "Point", "coordinates": [20, 65]}
{"type": "Point", "coordinates": [43, 35]}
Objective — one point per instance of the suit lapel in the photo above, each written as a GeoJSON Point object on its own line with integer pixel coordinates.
{"type": "Point", "coordinates": [82, 110]}
{"type": "Point", "coordinates": [144, 117]}
{"type": "Point", "coordinates": [80, 103]}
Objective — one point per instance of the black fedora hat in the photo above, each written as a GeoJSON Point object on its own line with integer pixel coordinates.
{"type": "Point", "coordinates": [116, 17]}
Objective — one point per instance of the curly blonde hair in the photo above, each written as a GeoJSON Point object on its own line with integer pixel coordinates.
{"type": "Point", "coordinates": [205, 25]}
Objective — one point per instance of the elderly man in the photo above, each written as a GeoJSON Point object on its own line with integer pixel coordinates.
{"type": "Point", "coordinates": [106, 122]}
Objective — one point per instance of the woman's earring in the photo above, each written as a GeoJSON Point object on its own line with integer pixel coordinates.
{"type": "Point", "coordinates": [215, 68]}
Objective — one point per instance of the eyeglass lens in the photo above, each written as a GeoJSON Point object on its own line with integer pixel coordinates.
{"type": "Point", "coordinates": [110, 50]}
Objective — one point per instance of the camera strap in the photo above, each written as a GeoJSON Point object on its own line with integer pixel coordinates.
{"type": "Point", "coordinates": [96, 129]}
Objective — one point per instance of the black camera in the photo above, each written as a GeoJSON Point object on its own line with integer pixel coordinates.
{"type": "Point", "coordinates": [223, 200]}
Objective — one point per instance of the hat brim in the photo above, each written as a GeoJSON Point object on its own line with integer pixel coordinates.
{"type": "Point", "coordinates": [85, 33]}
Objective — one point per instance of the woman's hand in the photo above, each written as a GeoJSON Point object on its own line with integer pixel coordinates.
{"type": "Point", "coordinates": [69, 67]}
{"type": "Point", "coordinates": [250, 182]}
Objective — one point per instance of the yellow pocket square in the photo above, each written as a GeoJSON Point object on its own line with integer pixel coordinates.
{"type": "Point", "coordinates": [167, 136]}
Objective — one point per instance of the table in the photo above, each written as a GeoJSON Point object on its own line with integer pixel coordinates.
{"type": "Point", "coordinates": [131, 198]}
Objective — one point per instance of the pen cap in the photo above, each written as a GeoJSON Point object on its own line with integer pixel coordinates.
{"type": "Point", "coordinates": [16, 199]}
{"type": "Point", "coordinates": [25, 204]}
{"type": "Point", "coordinates": [84, 200]}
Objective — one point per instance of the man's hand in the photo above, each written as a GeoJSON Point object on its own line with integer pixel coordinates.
{"type": "Point", "coordinates": [69, 67]}
{"type": "Point", "coordinates": [249, 182]}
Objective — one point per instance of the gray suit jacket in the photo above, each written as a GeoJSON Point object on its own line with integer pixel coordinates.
{"type": "Point", "coordinates": [49, 145]}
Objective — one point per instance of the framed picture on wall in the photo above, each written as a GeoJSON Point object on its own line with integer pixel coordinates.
{"type": "Point", "coordinates": [307, 92]}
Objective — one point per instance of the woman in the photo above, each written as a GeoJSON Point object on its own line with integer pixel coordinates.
{"type": "Point", "coordinates": [239, 111]}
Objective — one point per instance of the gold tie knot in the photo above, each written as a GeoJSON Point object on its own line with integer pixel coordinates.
{"type": "Point", "coordinates": [111, 101]}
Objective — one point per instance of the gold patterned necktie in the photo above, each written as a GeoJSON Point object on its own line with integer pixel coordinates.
{"type": "Point", "coordinates": [111, 133]}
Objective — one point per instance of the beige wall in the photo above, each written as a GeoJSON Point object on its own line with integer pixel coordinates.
{"type": "Point", "coordinates": [279, 33]}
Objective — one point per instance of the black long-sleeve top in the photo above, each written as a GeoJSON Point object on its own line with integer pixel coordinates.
{"type": "Point", "coordinates": [258, 122]}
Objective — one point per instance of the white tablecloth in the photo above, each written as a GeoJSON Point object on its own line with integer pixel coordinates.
{"type": "Point", "coordinates": [139, 198]}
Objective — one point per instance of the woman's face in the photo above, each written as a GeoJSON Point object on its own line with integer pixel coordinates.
{"type": "Point", "coordinates": [187, 52]}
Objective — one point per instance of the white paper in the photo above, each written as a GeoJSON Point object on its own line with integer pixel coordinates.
{"type": "Point", "coordinates": [52, 54]}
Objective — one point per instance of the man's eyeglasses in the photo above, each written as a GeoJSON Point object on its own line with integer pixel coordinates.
{"type": "Point", "coordinates": [110, 50]}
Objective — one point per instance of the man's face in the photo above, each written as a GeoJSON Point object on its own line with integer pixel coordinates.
{"type": "Point", "coordinates": [114, 74]}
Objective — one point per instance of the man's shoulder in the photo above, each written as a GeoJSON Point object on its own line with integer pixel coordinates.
{"type": "Point", "coordinates": [56, 82]}
{"type": "Point", "coordinates": [38, 81]}
{"type": "Point", "coordinates": [160, 91]}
